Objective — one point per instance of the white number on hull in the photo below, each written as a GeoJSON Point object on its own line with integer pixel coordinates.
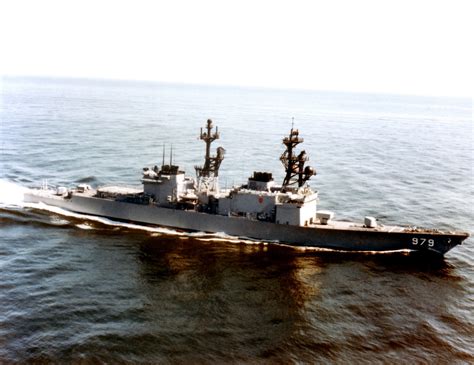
{"type": "Point", "coordinates": [422, 242]}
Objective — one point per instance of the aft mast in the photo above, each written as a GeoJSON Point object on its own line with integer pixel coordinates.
{"type": "Point", "coordinates": [296, 174]}
{"type": "Point", "coordinates": [207, 174]}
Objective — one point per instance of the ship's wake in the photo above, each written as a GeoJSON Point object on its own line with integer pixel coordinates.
{"type": "Point", "coordinates": [11, 194]}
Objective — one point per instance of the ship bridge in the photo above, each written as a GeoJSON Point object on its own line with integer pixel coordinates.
{"type": "Point", "coordinates": [166, 184]}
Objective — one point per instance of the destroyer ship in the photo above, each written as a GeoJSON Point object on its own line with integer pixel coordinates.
{"type": "Point", "coordinates": [260, 209]}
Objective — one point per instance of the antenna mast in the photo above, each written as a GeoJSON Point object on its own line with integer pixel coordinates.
{"type": "Point", "coordinates": [171, 155]}
{"type": "Point", "coordinates": [295, 171]}
{"type": "Point", "coordinates": [208, 173]}
{"type": "Point", "coordinates": [163, 162]}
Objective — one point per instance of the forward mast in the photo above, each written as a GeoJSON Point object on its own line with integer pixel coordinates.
{"type": "Point", "coordinates": [208, 174]}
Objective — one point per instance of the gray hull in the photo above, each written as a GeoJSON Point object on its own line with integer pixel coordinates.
{"type": "Point", "coordinates": [353, 239]}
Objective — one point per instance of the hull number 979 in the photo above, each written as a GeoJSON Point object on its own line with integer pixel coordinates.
{"type": "Point", "coordinates": [422, 241]}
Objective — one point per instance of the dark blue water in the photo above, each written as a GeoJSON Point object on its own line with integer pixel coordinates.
{"type": "Point", "coordinates": [74, 289]}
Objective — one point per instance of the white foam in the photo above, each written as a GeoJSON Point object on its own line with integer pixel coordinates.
{"type": "Point", "coordinates": [84, 226]}
{"type": "Point", "coordinates": [58, 221]}
{"type": "Point", "coordinates": [11, 194]}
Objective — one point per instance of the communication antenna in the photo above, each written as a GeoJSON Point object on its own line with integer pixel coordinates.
{"type": "Point", "coordinates": [171, 155]}
{"type": "Point", "coordinates": [292, 122]}
{"type": "Point", "coordinates": [163, 163]}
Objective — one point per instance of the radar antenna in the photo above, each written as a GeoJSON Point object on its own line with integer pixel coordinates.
{"type": "Point", "coordinates": [295, 171]}
{"type": "Point", "coordinates": [208, 173]}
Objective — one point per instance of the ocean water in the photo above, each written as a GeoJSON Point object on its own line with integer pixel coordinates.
{"type": "Point", "coordinates": [74, 289]}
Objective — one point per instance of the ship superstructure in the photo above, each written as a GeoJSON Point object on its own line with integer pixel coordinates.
{"type": "Point", "coordinates": [260, 208]}
{"type": "Point", "coordinates": [293, 202]}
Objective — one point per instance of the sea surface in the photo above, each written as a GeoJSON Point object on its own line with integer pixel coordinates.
{"type": "Point", "coordinates": [74, 289]}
